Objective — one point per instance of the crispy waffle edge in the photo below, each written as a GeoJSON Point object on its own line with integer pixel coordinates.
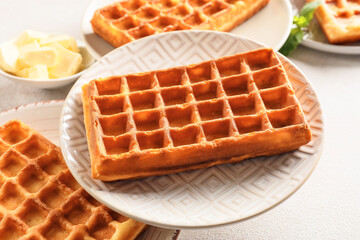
{"type": "Point", "coordinates": [117, 167]}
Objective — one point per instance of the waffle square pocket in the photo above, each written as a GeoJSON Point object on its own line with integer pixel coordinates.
{"type": "Point", "coordinates": [191, 117]}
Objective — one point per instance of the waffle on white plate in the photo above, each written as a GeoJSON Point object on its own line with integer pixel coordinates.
{"type": "Point", "coordinates": [40, 199]}
{"type": "Point", "coordinates": [190, 117]}
{"type": "Point", "coordinates": [128, 20]}
{"type": "Point", "coordinates": [340, 20]}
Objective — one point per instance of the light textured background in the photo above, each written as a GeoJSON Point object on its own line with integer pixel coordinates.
{"type": "Point", "coordinates": [326, 207]}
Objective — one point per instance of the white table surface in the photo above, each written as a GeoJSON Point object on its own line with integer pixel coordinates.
{"type": "Point", "coordinates": [328, 204]}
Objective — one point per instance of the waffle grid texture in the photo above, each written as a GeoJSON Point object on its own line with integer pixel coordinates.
{"type": "Point", "coordinates": [128, 20]}
{"type": "Point", "coordinates": [39, 198]}
{"type": "Point", "coordinates": [340, 20]}
{"type": "Point", "coordinates": [191, 117]}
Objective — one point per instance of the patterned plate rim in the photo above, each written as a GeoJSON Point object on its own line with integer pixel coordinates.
{"type": "Point", "coordinates": [96, 194]}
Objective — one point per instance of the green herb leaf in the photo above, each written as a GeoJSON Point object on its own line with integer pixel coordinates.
{"type": "Point", "coordinates": [292, 42]}
{"type": "Point", "coordinates": [300, 22]}
{"type": "Point", "coordinates": [308, 10]}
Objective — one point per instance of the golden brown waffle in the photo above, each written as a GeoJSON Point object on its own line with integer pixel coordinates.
{"type": "Point", "coordinates": [128, 20]}
{"type": "Point", "coordinates": [192, 117]}
{"type": "Point", "coordinates": [39, 198]}
{"type": "Point", "coordinates": [340, 20]}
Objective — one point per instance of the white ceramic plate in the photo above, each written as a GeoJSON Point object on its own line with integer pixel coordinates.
{"type": "Point", "coordinates": [44, 117]}
{"type": "Point", "coordinates": [88, 59]}
{"type": "Point", "coordinates": [271, 26]}
{"type": "Point", "coordinates": [203, 198]}
{"type": "Point", "coordinates": [315, 38]}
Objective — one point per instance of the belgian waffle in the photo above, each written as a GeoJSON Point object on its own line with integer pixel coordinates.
{"type": "Point", "coordinates": [192, 117]}
{"type": "Point", "coordinates": [340, 20]}
{"type": "Point", "coordinates": [128, 20]}
{"type": "Point", "coordinates": [39, 198]}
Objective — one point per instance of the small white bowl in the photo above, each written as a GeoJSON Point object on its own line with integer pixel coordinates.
{"type": "Point", "coordinates": [88, 60]}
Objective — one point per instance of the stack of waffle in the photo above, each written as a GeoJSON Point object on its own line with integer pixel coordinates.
{"type": "Point", "coordinates": [191, 117]}
{"type": "Point", "coordinates": [39, 198]}
{"type": "Point", "coordinates": [128, 20]}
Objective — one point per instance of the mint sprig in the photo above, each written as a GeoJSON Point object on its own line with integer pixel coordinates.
{"type": "Point", "coordinates": [300, 22]}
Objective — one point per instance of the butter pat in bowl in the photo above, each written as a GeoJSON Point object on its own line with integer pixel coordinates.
{"type": "Point", "coordinates": [42, 60]}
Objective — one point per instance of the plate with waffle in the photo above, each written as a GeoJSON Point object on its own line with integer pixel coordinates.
{"type": "Point", "coordinates": [39, 198]}
{"type": "Point", "coordinates": [335, 27]}
{"type": "Point", "coordinates": [111, 23]}
{"type": "Point", "coordinates": [168, 120]}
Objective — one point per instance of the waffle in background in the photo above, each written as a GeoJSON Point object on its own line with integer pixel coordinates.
{"type": "Point", "coordinates": [39, 198]}
{"type": "Point", "coordinates": [128, 20]}
{"type": "Point", "coordinates": [340, 20]}
{"type": "Point", "coordinates": [191, 117]}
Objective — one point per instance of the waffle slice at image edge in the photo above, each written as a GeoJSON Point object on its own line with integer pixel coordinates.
{"type": "Point", "coordinates": [128, 20]}
{"type": "Point", "coordinates": [339, 20]}
{"type": "Point", "coordinates": [40, 199]}
{"type": "Point", "coordinates": [191, 117]}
